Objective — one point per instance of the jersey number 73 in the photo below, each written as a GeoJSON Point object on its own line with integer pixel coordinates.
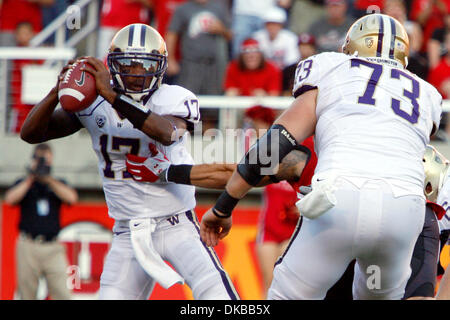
{"type": "Point", "coordinates": [367, 97]}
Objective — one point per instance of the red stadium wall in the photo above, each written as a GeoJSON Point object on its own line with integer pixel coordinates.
{"type": "Point", "coordinates": [237, 252]}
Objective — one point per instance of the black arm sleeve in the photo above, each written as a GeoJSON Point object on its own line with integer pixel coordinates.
{"type": "Point", "coordinates": [132, 110]}
{"type": "Point", "coordinates": [266, 154]}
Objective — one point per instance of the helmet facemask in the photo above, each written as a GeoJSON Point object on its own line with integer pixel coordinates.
{"type": "Point", "coordinates": [137, 74]}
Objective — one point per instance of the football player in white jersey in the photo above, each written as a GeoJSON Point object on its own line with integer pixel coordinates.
{"type": "Point", "coordinates": [443, 199]}
{"type": "Point", "coordinates": [421, 285]}
{"type": "Point", "coordinates": [132, 117]}
{"type": "Point", "coordinates": [441, 192]}
{"type": "Point", "coordinates": [422, 282]}
{"type": "Point", "coordinates": [372, 120]}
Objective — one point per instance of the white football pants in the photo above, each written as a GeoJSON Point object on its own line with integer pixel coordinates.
{"type": "Point", "coordinates": [368, 225]}
{"type": "Point", "coordinates": [178, 242]}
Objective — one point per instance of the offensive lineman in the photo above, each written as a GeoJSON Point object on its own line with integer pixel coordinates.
{"type": "Point", "coordinates": [422, 282]}
{"type": "Point", "coordinates": [297, 170]}
{"type": "Point", "coordinates": [153, 222]}
{"type": "Point", "coordinates": [442, 193]}
{"type": "Point", "coordinates": [372, 120]}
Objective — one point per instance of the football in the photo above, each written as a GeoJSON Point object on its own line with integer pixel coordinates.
{"type": "Point", "coordinates": [77, 89]}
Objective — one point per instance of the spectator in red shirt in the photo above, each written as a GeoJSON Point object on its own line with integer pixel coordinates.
{"type": "Point", "coordinates": [12, 12]}
{"type": "Point", "coordinates": [430, 15]}
{"type": "Point", "coordinates": [439, 77]}
{"type": "Point", "coordinates": [23, 34]}
{"type": "Point", "coordinates": [251, 74]}
{"type": "Point", "coordinates": [435, 46]}
{"type": "Point", "coordinates": [115, 15]}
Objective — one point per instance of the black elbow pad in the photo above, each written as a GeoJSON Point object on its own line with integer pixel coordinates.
{"type": "Point", "coordinates": [265, 155]}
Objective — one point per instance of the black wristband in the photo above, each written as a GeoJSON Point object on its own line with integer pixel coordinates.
{"type": "Point", "coordinates": [225, 204]}
{"type": "Point", "coordinates": [179, 173]}
{"type": "Point", "coordinates": [219, 215]}
{"type": "Point", "coordinates": [135, 112]}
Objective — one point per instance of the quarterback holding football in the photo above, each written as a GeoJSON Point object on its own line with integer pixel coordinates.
{"type": "Point", "coordinates": [154, 223]}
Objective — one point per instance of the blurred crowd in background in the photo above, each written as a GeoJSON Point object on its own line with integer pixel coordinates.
{"type": "Point", "coordinates": [240, 47]}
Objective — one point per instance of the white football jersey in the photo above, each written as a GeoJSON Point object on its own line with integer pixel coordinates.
{"type": "Point", "coordinates": [113, 136]}
{"type": "Point", "coordinates": [443, 200]}
{"type": "Point", "coordinates": [374, 118]}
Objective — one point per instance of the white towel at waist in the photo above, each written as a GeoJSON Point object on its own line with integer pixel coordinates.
{"type": "Point", "coordinates": [150, 260]}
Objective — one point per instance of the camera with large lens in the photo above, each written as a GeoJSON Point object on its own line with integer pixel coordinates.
{"type": "Point", "coordinates": [42, 168]}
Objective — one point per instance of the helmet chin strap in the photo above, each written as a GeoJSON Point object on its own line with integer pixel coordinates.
{"type": "Point", "coordinates": [141, 97]}
{"type": "Point", "coordinates": [137, 96]}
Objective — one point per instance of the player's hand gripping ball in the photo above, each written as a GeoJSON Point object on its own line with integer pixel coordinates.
{"type": "Point", "coordinates": [76, 90]}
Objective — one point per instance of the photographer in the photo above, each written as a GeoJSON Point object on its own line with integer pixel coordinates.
{"type": "Point", "coordinates": [38, 252]}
